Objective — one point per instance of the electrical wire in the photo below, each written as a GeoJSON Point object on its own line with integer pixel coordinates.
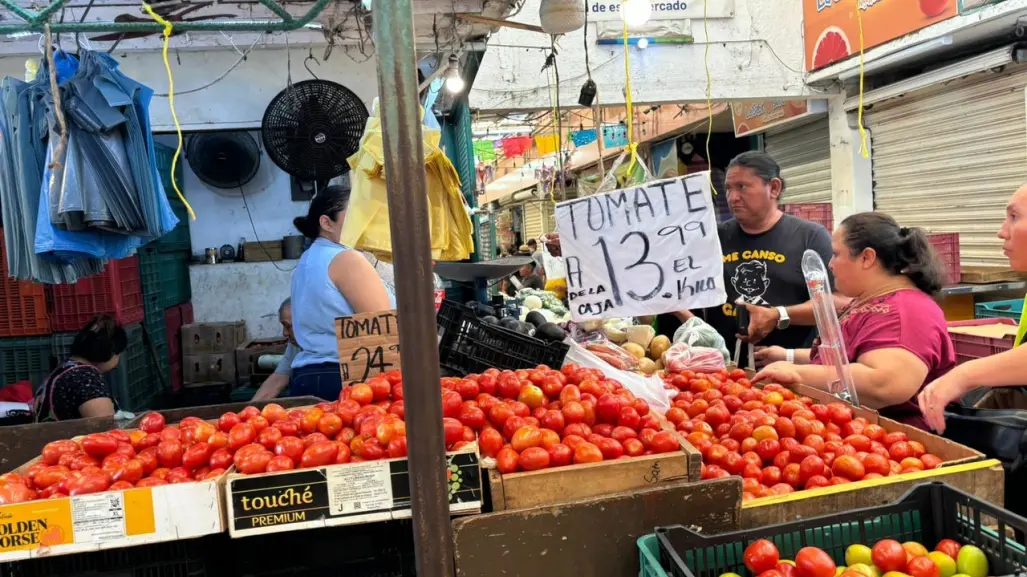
{"type": "Point", "coordinates": [220, 77]}
{"type": "Point", "coordinates": [859, 120]}
{"type": "Point", "coordinates": [253, 226]}
{"type": "Point", "coordinates": [171, 104]}
{"type": "Point", "coordinates": [709, 95]}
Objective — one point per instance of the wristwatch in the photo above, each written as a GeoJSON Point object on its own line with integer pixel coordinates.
{"type": "Point", "coordinates": [783, 321]}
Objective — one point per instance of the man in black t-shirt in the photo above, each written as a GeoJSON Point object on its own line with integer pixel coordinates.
{"type": "Point", "coordinates": [762, 250]}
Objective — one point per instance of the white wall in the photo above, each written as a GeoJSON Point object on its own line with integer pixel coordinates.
{"type": "Point", "coordinates": [756, 54]}
{"type": "Point", "coordinates": [250, 291]}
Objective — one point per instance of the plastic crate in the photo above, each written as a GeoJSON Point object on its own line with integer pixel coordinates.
{"type": "Point", "coordinates": [649, 557]}
{"type": "Point", "coordinates": [467, 345]}
{"type": "Point", "coordinates": [133, 383]}
{"type": "Point", "coordinates": [25, 359]}
{"type": "Point", "coordinates": [946, 245]}
{"type": "Point", "coordinates": [116, 291]}
{"type": "Point", "coordinates": [174, 277]}
{"type": "Point", "coordinates": [178, 238]}
{"type": "Point", "coordinates": [926, 514]}
{"type": "Point", "coordinates": [999, 310]}
{"type": "Point", "coordinates": [22, 304]}
{"type": "Point", "coordinates": [970, 347]}
{"type": "Point", "coordinates": [183, 558]}
{"type": "Point", "coordinates": [149, 271]}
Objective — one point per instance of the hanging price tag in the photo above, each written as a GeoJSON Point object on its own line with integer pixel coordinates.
{"type": "Point", "coordinates": [643, 250]}
{"type": "Point", "coordinates": [368, 345]}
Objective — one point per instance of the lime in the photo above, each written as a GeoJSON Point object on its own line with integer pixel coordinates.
{"type": "Point", "coordinates": [858, 554]}
{"type": "Point", "coordinates": [946, 565]}
{"type": "Point", "coordinates": [730, 575]}
{"type": "Point", "coordinates": [895, 574]}
{"type": "Point", "coordinates": [972, 561]}
{"type": "Point", "coordinates": [838, 571]}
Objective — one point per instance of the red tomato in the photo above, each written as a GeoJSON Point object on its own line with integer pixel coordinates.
{"type": "Point", "coordinates": [525, 438]}
{"type": "Point", "coordinates": [280, 463]}
{"type": "Point", "coordinates": [848, 467]}
{"type": "Point", "coordinates": [610, 448]}
{"type": "Point", "coordinates": [99, 445]}
{"type": "Point", "coordinates": [179, 475]}
{"type": "Point", "coordinates": [899, 450]}
{"type": "Point", "coordinates": [241, 435]}
{"type": "Point", "coordinates": [930, 461]}
{"type": "Point", "coordinates": [560, 455]}
{"type": "Point", "coordinates": [252, 461]}
{"type": "Point", "coordinates": [533, 459]}
{"type": "Point", "coordinates": [507, 460]}
{"type": "Point", "coordinates": [809, 467]}
{"type": "Point", "coordinates": [196, 456]}
{"type": "Point", "coordinates": [169, 453]}
{"type": "Point", "coordinates": [220, 459]}
{"type": "Point", "coordinates": [473, 417]}
{"type": "Point", "coordinates": [664, 442]}
{"type": "Point", "coordinates": [151, 482]}
{"type": "Point", "coordinates": [329, 424]}
{"type": "Point", "coordinates": [587, 453]}
{"type": "Point", "coordinates": [86, 484]}
{"type": "Point", "coordinates": [269, 437]}
{"type": "Point", "coordinates": [949, 547]}
{"type": "Point", "coordinates": [888, 555]}
{"type": "Point", "coordinates": [453, 430]}
{"type": "Point", "coordinates": [490, 441]}
{"type": "Point", "coordinates": [814, 562]}
{"type": "Point", "coordinates": [120, 486]}
{"type": "Point", "coordinates": [274, 412]}
{"type": "Point", "coordinates": [922, 567]}
{"type": "Point", "coordinates": [760, 556]}
{"type": "Point", "coordinates": [130, 471]}
{"type": "Point", "coordinates": [152, 423]}
{"type": "Point", "coordinates": [320, 454]}
{"type": "Point", "coordinates": [227, 421]}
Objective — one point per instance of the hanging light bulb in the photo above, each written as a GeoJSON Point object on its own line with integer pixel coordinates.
{"type": "Point", "coordinates": [636, 12]}
{"type": "Point", "coordinates": [643, 43]}
{"type": "Point", "coordinates": [454, 82]}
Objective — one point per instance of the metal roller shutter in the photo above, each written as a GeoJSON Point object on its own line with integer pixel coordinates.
{"type": "Point", "coordinates": [947, 158]}
{"type": "Point", "coordinates": [533, 219]}
{"type": "Point", "coordinates": [804, 153]}
{"type": "Point", "coordinates": [486, 242]}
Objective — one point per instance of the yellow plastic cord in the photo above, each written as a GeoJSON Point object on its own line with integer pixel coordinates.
{"type": "Point", "coordinates": [632, 145]}
{"type": "Point", "coordinates": [559, 142]}
{"type": "Point", "coordinates": [709, 94]}
{"type": "Point", "coordinates": [171, 103]}
{"type": "Point", "coordinates": [862, 131]}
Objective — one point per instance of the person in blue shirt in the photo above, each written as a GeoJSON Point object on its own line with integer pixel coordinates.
{"type": "Point", "coordinates": [330, 281]}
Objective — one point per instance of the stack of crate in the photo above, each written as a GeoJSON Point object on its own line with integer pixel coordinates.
{"type": "Point", "coordinates": [24, 346]}
{"type": "Point", "coordinates": [208, 361]}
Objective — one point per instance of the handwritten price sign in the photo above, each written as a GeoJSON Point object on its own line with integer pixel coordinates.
{"type": "Point", "coordinates": [643, 250]}
{"type": "Point", "coordinates": [368, 345]}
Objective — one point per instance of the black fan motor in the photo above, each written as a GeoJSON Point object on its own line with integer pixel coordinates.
{"type": "Point", "coordinates": [224, 159]}
{"type": "Point", "coordinates": [312, 127]}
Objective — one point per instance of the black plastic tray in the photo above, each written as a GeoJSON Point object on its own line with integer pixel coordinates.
{"type": "Point", "coordinates": [927, 514]}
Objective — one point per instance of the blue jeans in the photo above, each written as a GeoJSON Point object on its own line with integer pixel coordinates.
{"type": "Point", "coordinates": [322, 380]}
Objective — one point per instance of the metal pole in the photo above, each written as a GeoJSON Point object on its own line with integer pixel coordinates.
{"type": "Point", "coordinates": [411, 241]}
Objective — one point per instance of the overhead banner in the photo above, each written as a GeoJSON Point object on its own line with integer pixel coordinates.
{"type": "Point", "coordinates": [642, 250]}
{"type": "Point", "coordinates": [831, 27]}
{"type": "Point", "coordinates": [603, 10]}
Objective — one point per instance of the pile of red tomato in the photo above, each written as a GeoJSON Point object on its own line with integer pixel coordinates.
{"type": "Point", "coordinates": [887, 557]}
{"type": "Point", "coordinates": [779, 442]}
{"type": "Point", "coordinates": [540, 418]}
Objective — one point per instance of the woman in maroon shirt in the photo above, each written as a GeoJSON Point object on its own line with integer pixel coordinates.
{"type": "Point", "coordinates": [895, 334]}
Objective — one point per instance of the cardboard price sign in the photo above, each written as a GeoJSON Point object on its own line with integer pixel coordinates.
{"type": "Point", "coordinates": [643, 250]}
{"type": "Point", "coordinates": [368, 345]}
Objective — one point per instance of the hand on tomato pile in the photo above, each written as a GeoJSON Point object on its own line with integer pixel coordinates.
{"type": "Point", "coordinates": [938, 394]}
{"type": "Point", "coordinates": [762, 322]}
{"type": "Point", "coordinates": [779, 372]}
{"type": "Point", "coordinates": [767, 355]}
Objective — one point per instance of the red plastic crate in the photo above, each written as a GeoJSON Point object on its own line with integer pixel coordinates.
{"type": "Point", "coordinates": [175, 368]}
{"type": "Point", "coordinates": [947, 247]}
{"type": "Point", "coordinates": [173, 331]}
{"type": "Point", "coordinates": [116, 291]}
{"type": "Point", "coordinates": [23, 312]}
{"type": "Point", "coordinates": [187, 313]}
{"type": "Point", "coordinates": [970, 347]}
{"type": "Point", "coordinates": [818, 212]}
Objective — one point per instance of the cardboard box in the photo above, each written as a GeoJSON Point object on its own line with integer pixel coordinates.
{"type": "Point", "coordinates": [263, 251]}
{"type": "Point", "coordinates": [349, 494]}
{"type": "Point", "coordinates": [111, 519]}
{"type": "Point", "coordinates": [205, 368]}
{"type": "Point", "coordinates": [221, 338]}
{"type": "Point", "coordinates": [247, 353]}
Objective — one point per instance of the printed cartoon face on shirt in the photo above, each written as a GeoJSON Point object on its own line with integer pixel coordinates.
{"type": "Point", "coordinates": [751, 281]}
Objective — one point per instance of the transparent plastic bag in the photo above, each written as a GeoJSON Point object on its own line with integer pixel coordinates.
{"type": "Point", "coordinates": [682, 357]}
{"type": "Point", "coordinates": [650, 389]}
{"type": "Point", "coordinates": [696, 332]}
{"type": "Point", "coordinates": [613, 355]}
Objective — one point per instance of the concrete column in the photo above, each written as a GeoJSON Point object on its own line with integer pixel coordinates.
{"type": "Point", "coordinates": [851, 174]}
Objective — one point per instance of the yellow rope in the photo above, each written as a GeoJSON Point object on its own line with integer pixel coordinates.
{"type": "Point", "coordinates": [171, 103]}
{"type": "Point", "coordinates": [709, 95]}
{"type": "Point", "coordinates": [862, 130]}
{"type": "Point", "coordinates": [632, 145]}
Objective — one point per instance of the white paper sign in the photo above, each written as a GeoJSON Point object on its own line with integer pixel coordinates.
{"type": "Point", "coordinates": [604, 10]}
{"type": "Point", "coordinates": [643, 250]}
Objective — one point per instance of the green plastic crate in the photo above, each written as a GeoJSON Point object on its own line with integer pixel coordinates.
{"type": "Point", "coordinates": [649, 557]}
{"type": "Point", "coordinates": [174, 278]}
{"type": "Point", "coordinates": [1011, 309]}
{"type": "Point", "coordinates": [133, 383]}
{"type": "Point", "coordinates": [25, 359]}
{"type": "Point", "coordinates": [178, 239]}
{"type": "Point", "coordinates": [149, 271]}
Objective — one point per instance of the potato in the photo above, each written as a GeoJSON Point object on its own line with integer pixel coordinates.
{"type": "Point", "coordinates": [634, 350]}
{"type": "Point", "coordinates": [647, 366]}
{"type": "Point", "coordinates": [658, 346]}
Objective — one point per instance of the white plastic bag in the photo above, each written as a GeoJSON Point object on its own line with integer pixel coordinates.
{"type": "Point", "coordinates": [696, 332]}
{"type": "Point", "coordinates": [681, 357]}
{"type": "Point", "coordinates": [650, 389]}
{"type": "Point", "coordinates": [553, 265]}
